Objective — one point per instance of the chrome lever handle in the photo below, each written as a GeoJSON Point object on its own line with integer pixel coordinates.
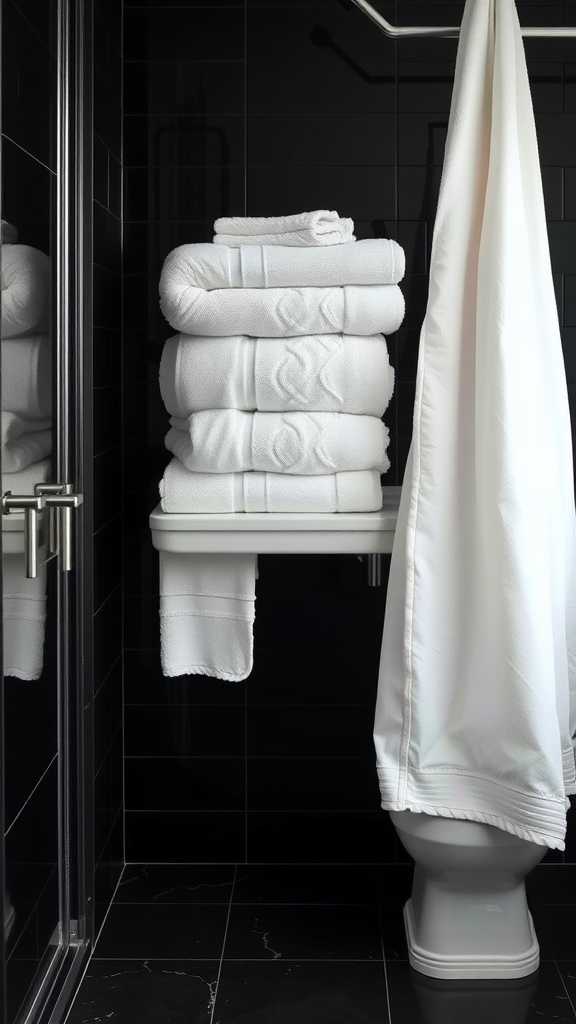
{"type": "Point", "coordinates": [60, 496]}
{"type": "Point", "coordinates": [30, 505]}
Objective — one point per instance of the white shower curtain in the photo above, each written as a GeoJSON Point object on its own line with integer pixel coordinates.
{"type": "Point", "coordinates": [476, 704]}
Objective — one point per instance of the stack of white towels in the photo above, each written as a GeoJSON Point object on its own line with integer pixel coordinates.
{"type": "Point", "coordinates": [275, 384]}
{"type": "Point", "coordinates": [26, 418]}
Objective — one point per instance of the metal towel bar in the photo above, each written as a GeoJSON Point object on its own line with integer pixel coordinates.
{"type": "Point", "coordinates": [398, 32]}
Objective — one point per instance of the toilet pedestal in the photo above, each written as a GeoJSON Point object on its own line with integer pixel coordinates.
{"type": "Point", "coordinates": [455, 932]}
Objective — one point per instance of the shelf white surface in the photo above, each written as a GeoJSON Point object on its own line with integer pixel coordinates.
{"type": "Point", "coordinates": [278, 532]}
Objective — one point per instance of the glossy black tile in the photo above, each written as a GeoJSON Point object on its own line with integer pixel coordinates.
{"type": "Point", "coordinates": [107, 713]}
{"type": "Point", "coordinates": [194, 931]}
{"type": "Point", "coordinates": [305, 883]}
{"type": "Point", "coordinates": [310, 731]}
{"type": "Point", "coordinates": [186, 730]}
{"type": "Point", "coordinates": [176, 883]}
{"type": "Point", "coordinates": [302, 783]}
{"type": "Point", "coordinates": [197, 837]}
{"type": "Point", "coordinates": [29, 97]}
{"type": "Point", "coordinates": [322, 139]}
{"type": "Point", "coordinates": [107, 113]}
{"type": "Point", "coordinates": [292, 676]}
{"type": "Point", "coordinates": [562, 237]}
{"type": "Point", "coordinates": [315, 624]}
{"type": "Point", "coordinates": [184, 87]}
{"type": "Point", "coordinates": [303, 932]}
{"type": "Point", "coordinates": [556, 923]}
{"type": "Point", "coordinates": [285, 837]}
{"type": "Point", "coordinates": [27, 195]}
{"type": "Point", "coordinates": [151, 35]}
{"type": "Point", "coordinates": [107, 636]}
{"type": "Point", "coordinates": [155, 990]}
{"type": "Point", "coordinates": [107, 478]}
{"type": "Point", "coordinates": [107, 561]}
{"type": "Point", "coordinates": [326, 993]}
{"type": "Point", "coordinates": [185, 783]}
{"type": "Point", "coordinates": [363, 193]}
{"type": "Point", "coordinates": [108, 794]}
{"type": "Point", "coordinates": [106, 356]}
{"type": "Point", "coordinates": [569, 291]}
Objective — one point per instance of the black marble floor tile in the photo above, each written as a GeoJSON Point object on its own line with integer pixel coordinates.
{"type": "Point", "coordinates": [394, 883]}
{"type": "Point", "coordinates": [147, 992]}
{"type": "Point", "coordinates": [303, 932]}
{"type": "Point", "coordinates": [175, 883]}
{"type": "Point", "coordinates": [301, 993]}
{"type": "Point", "coordinates": [567, 970]}
{"type": "Point", "coordinates": [307, 883]}
{"type": "Point", "coordinates": [145, 930]}
{"type": "Point", "coordinates": [416, 999]}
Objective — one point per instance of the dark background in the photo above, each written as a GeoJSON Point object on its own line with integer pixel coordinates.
{"type": "Point", "coordinates": [253, 108]}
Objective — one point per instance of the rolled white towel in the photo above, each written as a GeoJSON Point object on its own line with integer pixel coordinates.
{"type": "Point", "coordinates": [25, 290]}
{"type": "Point", "coordinates": [282, 312]}
{"type": "Point", "coordinates": [207, 614]}
{"type": "Point", "coordinates": [183, 491]}
{"type": "Point", "coordinates": [24, 441]}
{"type": "Point", "coordinates": [24, 600]}
{"type": "Point", "coordinates": [317, 227]}
{"type": "Point", "coordinates": [371, 261]}
{"type": "Point", "coordinates": [8, 233]}
{"type": "Point", "coordinates": [325, 372]}
{"type": "Point", "coordinates": [304, 443]}
{"type": "Point", "coordinates": [27, 376]}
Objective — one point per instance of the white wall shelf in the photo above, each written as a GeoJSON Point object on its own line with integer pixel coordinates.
{"type": "Point", "coordinates": [279, 533]}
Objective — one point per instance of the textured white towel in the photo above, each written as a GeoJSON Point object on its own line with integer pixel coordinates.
{"type": "Point", "coordinates": [317, 227]}
{"type": "Point", "coordinates": [24, 601]}
{"type": "Point", "coordinates": [207, 614]}
{"type": "Point", "coordinates": [24, 441]}
{"type": "Point", "coordinates": [305, 443]}
{"type": "Point", "coordinates": [25, 290]}
{"type": "Point", "coordinates": [183, 491]}
{"type": "Point", "coordinates": [477, 693]}
{"type": "Point", "coordinates": [281, 312]}
{"type": "Point", "coordinates": [324, 372]}
{"type": "Point", "coordinates": [203, 265]}
{"type": "Point", "coordinates": [27, 376]}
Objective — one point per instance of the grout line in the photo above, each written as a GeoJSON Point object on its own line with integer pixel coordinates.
{"type": "Point", "coordinates": [223, 945]}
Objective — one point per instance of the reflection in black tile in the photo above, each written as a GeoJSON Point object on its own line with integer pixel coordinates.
{"type": "Point", "coordinates": [185, 783]}
{"type": "Point", "coordinates": [283, 993]}
{"type": "Point", "coordinates": [191, 931]}
{"type": "Point", "coordinates": [305, 883]}
{"type": "Point", "coordinates": [198, 837]}
{"type": "Point", "coordinates": [302, 783]}
{"type": "Point", "coordinates": [187, 731]}
{"type": "Point", "coordinates": [416, 999]}
{"type": "Point", "coordinates": [130, 992]}
{"type": "Point", "coordinates": [342, 837]}
{"type": "Point", "coordinates": [176, 883]}
{"type": "Point", "coordinates": [303, 932]}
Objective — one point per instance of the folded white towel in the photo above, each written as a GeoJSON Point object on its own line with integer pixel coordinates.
{"type": "Point", "coordinates": [27, 376]}
{"type": "Point", "coordinates": [183, 491]}
{"type": "Point", "coordinates": [24, 441]}
{"type": "Point", "coordinates": [318, 227]}
{"type": "Point", "coordinates": [203, 265]}
{"type": "Point", "coordinates": [25, 290]}
{"type": "Point", "coordinates": [8, 233]}
{"type": "Point", "coordinates": [304, 443]}
{"type": "Point", "coordinates": [207, 614]}
{"type": "Point", "coordinates": [324, 372]}
{"type": "Point", "coordinates": [281, 312]}
{"type": "Point", "coordinates": [24, 601]}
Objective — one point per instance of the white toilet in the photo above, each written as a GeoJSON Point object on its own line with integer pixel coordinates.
{"type": "Point", "coordinates": [467, 916]}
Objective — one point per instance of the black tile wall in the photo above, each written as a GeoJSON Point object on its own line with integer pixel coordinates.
{"type": "Point", "coordinates": [280, 768]}
{"type": "Point", "coordinates": [107, 450]}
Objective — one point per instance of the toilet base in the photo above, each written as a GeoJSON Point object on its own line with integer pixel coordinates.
{"type": "Point", "coordinates": [451, 966]}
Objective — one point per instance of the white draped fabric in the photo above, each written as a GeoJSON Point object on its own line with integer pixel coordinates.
{"type": "Point", "coordinates": [476, 707]}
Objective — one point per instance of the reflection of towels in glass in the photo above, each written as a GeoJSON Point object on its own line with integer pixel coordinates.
{"type": "Point", "coordinates": [25, 290]}
{"type": "Point", "coordinates": [24, 441]}
{"type": "Point", "coordinates": [24, 601]}
{"type": "Point", "coordinates": [27, 375]}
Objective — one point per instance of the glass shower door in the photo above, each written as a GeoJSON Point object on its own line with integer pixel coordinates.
{"type": "Point", "coordinates": [46, 917]}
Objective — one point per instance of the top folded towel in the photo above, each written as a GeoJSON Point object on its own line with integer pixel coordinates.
{"type": "Point", "coordinates": [208, 266]}
{"type": "Point", "coordinates": [319, 227]}
{"type": "Point", "coordinates": [25, 290]}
